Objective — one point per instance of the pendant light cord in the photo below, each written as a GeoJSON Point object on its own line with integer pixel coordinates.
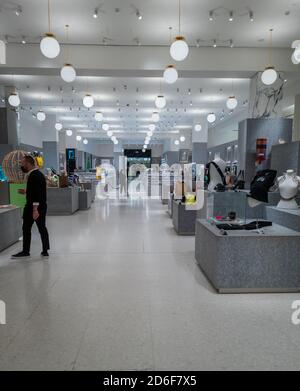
{"type": "Point", "coordinates": [271, 47]}
{"type": "Point", "coordinates": [49, 18]}
{"type": "Point", "coordinates": [67, 41]}
{"type": "Point", "coordinates": [179, 16]}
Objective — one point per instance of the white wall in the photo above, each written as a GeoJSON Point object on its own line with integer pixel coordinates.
{"type": "Point", "coordinates": [31, 131]}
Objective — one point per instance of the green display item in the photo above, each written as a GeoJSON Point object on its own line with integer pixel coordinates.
{"type": "Point", "coordinates": [16, 198]}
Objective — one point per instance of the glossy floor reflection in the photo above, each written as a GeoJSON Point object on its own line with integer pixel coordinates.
{"type": "Point", "coordinates": [122, 291]}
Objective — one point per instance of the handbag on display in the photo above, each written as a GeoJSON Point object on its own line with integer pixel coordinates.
{"type": "Point", "coordinates": [261, 184]}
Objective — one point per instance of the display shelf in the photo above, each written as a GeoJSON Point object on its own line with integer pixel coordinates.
{"type": "Point", "coordinates": [4, 193]}
{"type": "Point", "coordinates": [246, 261]}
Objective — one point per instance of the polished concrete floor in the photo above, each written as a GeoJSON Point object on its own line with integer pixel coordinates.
{"type": "Point", "coordinates": [122, 291]}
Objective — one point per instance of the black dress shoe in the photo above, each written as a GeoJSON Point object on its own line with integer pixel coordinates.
{"type": "Point", "coordinates": [20, 255]}
{"type": "Point", "coordinates": [45, 254]}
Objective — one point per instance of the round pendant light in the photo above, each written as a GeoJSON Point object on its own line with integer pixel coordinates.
{"type": "Point", "coordinates": [182, 139]}
{"type": "Point", "coordinates": [78, 138]}
{"type": "Point", "coordinates": [85, 141]}
{"type": "Point", "coordinates": [179, 49]}
{"type": "Point", "coordinates": [176, 142]}
{"type": "Point", "coordinates": [150, 134]}
{"type": "Point", "coordinates": [41, 116]}
{"type": "Point", "coordinates": [58, 126]}
{"type": "Point", "coordinates": [152, 127]}
{"type": "Point", "coordinates": [68, 73]}
{"type": "Point", "coordinates": [232, 103]}
{"type": "Point", "coordinates": [211, 118]}
{"type": "Point", "coordinates": [116, 142]}
{"type": "Point", "coordinates": [294, 61]}
{"type": "Point", "coordinates": [110, 133]}
{"type": "Point", "coordinates": [147, 142]}
{"type": "Point", "coordinates": [50, 47]}
{"type": "Point", "coordinates": [297, 54]}
{"type": "Point", "coordinates": [69, 132]}
{"type": "Point", "coordinates": [155, 117]}
{"type": "Point", "coordinates": [105, 127]}
{"type": "Point", "coordinates": [98, 116]}
{"type": "Point", "coordinates": [143, 150]}
{"type": "Point", "coordinates": [170, 74]}
{"type": "Point", "coordinates": [269, 76]}
{"type": "Point", "coordinates": [88, 101]}
{"type": "Point", "coordinates": [14, 100]}
{"type": "Point", "coordinates": [198, 128]}
{"type": "Point", "coordinates": [160, 102]}
{"type": "Point", "coordinates": [145, 146]}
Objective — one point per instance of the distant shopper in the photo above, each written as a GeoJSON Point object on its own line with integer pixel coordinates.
{"type": "Point", "coordinates": [35, 209]}
{"type": "Point", "coordinates": [123, 181]}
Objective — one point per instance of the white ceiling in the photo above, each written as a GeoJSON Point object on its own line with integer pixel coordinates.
{"type": "Point", "coordinates": [127, 103]}
{"type": "Point", "coordinates": [123, 27]}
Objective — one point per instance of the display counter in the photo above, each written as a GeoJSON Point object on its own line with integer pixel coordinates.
{"type": "Point", "coordinates": [288, 218]}
{"type": "Point", "coordinates": [184, 218]}
{"type": "Point", "coordinates": [246, 261]}
{"type": "Point", "coordinates": [64, 201]}
{"type": "Point", "coordinates": [10, 226]}
{"type": "Point", "coordinates": [85, 199]}
{"type": "Point", "coordinates": [92, 187]}
{"type": "Point", "coordinates": [4, 193]}
{"type": "Point", "coordinates": [170, 205]}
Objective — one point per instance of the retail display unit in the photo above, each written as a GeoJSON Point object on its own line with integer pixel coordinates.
{"type": "Point", "coordinates": [63, 201]}
{"type": "Point", "coordinates": [184, 218]}
{"type": "Point", "coordinates": [10, 226]}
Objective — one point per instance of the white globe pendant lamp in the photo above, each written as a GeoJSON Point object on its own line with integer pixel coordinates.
{"type": "Point", "coordinates": [211, 118]}
{"type": "Point", "coordinates": [41, 116]}
{"type": "Point", "coordinates": [116, 142]}
{"type": "Point", "coordinates": [85, 141]}
{"type": "Point", "coordinates": [160, 102]}
{"type": "Point", "coordinates": [150, 133]}
{"type": "Point", "coordinates": [49, 46]}
{"type": "Point", "coordinates": [98, 116]}
{"type": "Point", "coordinates": [68, 73]}
{"type": "Point", "coordinates": [198, 128]}
{"type": "Point", "coordinates": [176, 142]}
{"type": "Point", "coordinates": [88, 101]}
{"type": "Point", "coordinates": [69, 132]}
{"type": "Point", "coordinates": [170, 74]}
{"type": "Point", "coordinates": [297, 54]}
{"type": "Point", "coordinates": [78, 138]}
{"type": "Point", "coordinates": [152, 127]}
{"type": "Point", "coordinates": [110, 133]}
{"type": "Point", "coordinates": [145, 146]}
{"type": "Point", "coordinates": [232, 103]}
{"type": "Point", "coordinates": [155, 117]}
{"type": "Point", "coordinates": [182, 139]}
{"type": "Point", "coordinates": [58, 126]}
{"type": "Point", "coordinates": [179, 49]}
{"type": "Point", "coordinates": [14, 100]}
{"type": "Point", "coordinates": [269, 75]}
{"type": "Point", "coordinates": [143, 150]}
{"type": "Point", "coordinates": [294, 61]}
{"type": "Point", "coordinates": [105, 127]}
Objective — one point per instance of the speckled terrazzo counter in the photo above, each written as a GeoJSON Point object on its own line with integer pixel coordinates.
{"type": "Point", "coordinates": [245, 261]}
{"type": "Point", "coordinates": [184, 218]}
{"type": "Point", "coordinates": [10, 226]}
{"type": "Point", "coordinates": [288, 218]}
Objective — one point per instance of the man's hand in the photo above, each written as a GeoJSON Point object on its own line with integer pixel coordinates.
{"type": "Point", "coordinates": [35, 213]}
{"type": "Point", "coordinates": [22, 191]}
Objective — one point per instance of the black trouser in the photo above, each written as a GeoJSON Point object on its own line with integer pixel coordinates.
{"type": "Point", "coordinates": [41, 224]}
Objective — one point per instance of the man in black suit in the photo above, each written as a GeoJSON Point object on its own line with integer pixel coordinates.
{"type": "Point", "coordinates": [35, 209]}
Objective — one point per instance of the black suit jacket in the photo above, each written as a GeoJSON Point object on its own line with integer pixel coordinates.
{"type": "Point", "coordinates": [36, 191]}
